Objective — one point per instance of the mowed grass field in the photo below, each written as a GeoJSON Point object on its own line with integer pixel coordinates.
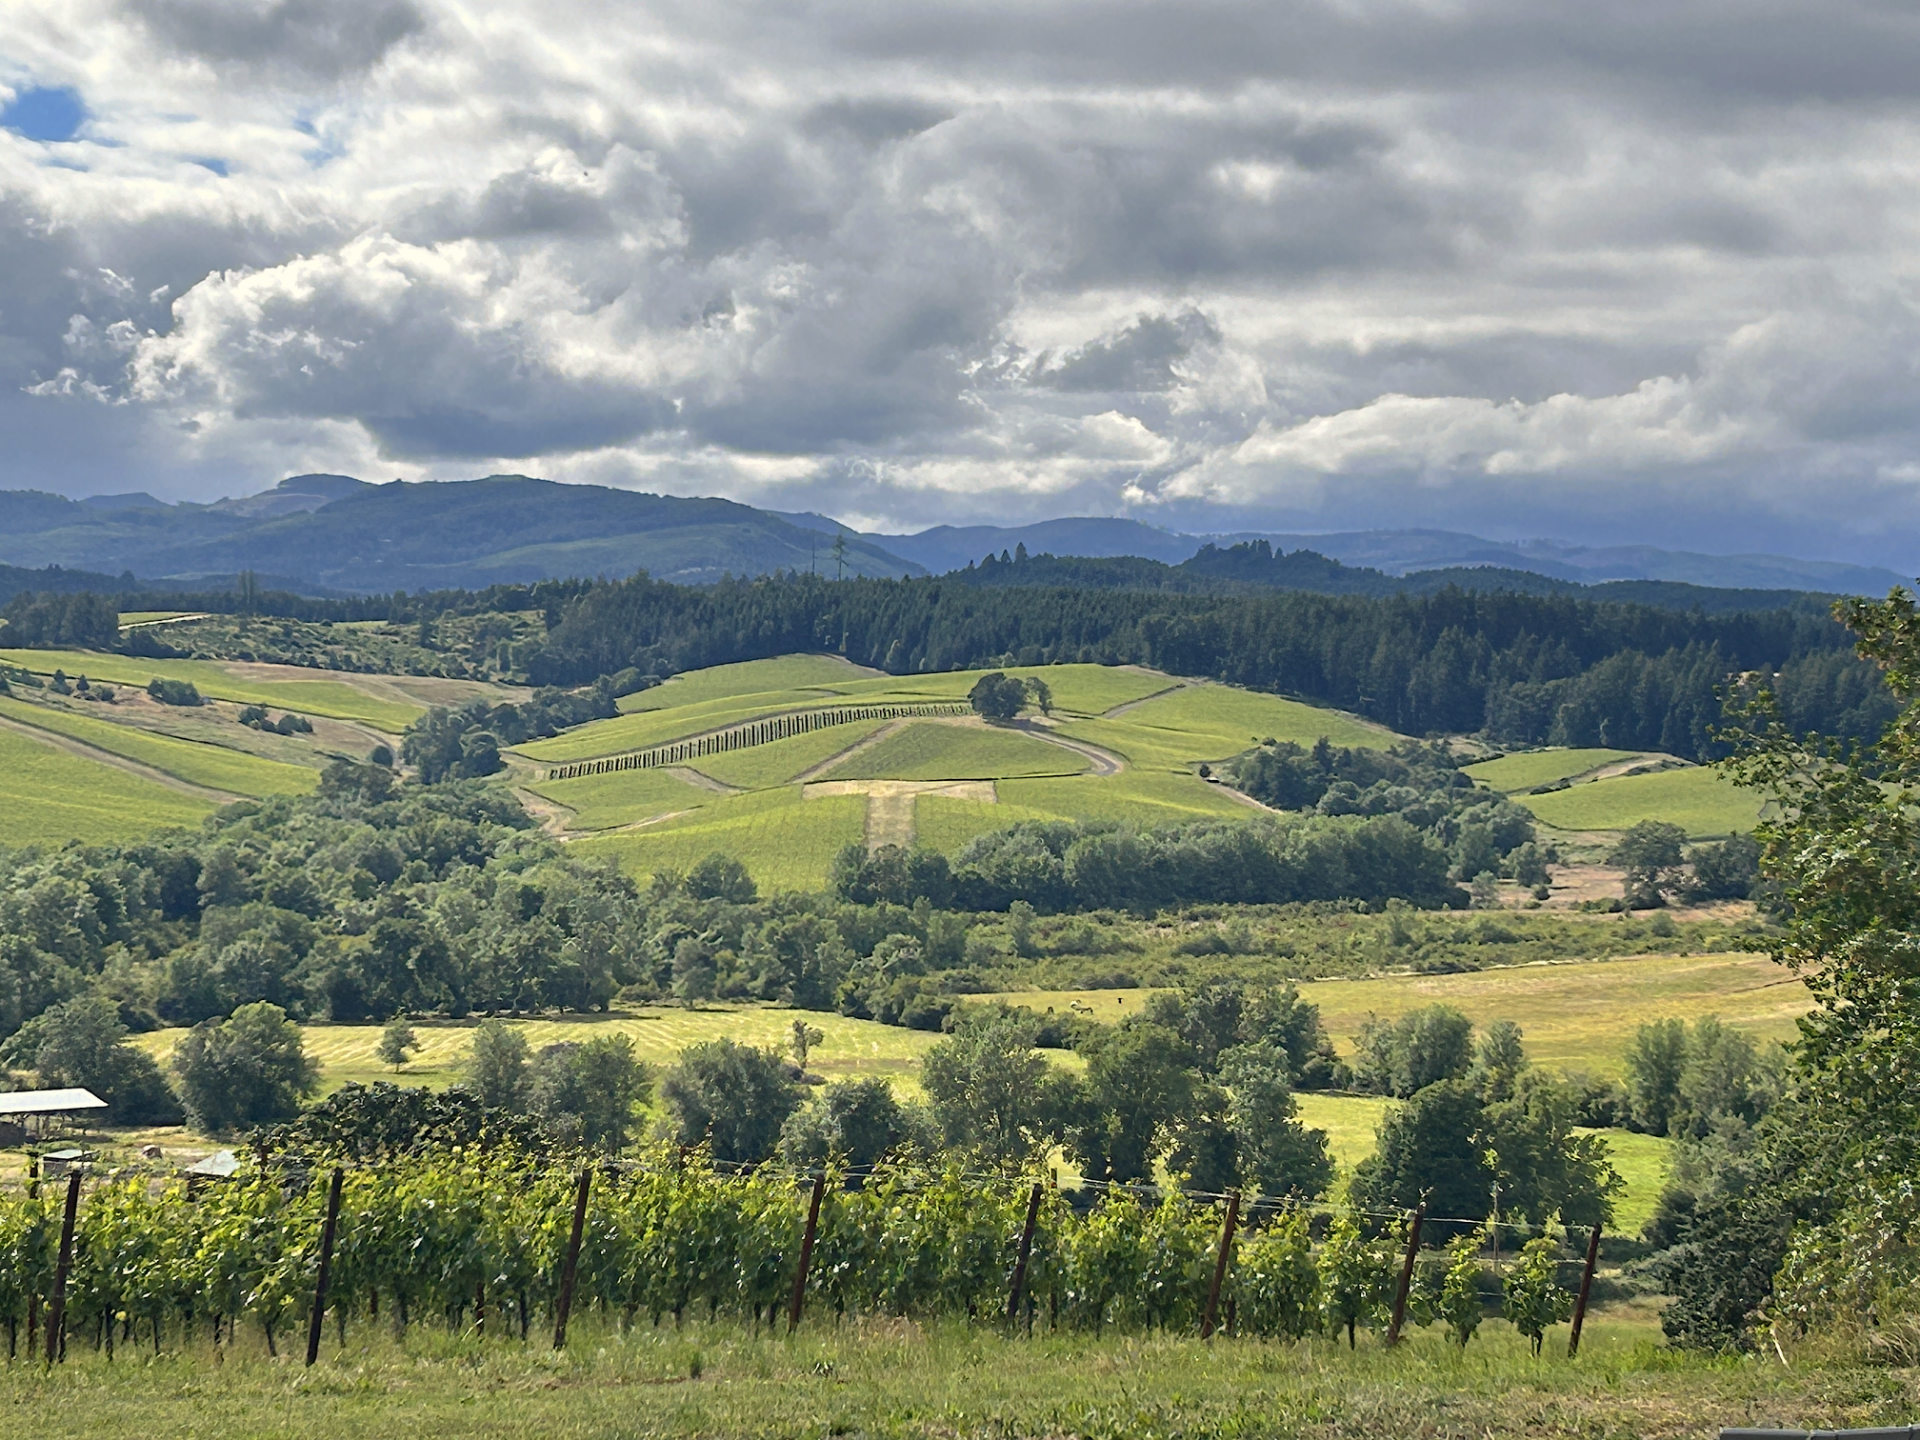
{"type": "Point", "coordinates": [852, 1048]}
{"type": "Point", "coordinates": [213, 766]}
{"type": "Point", "coordinates": [48, 797]}
{"type": "Point", "coordinates": [371, 704]}
{"type": "Point", "coordinates": [1576, 1017]}
{"type": "Point", "coordinates": [1699, 799]}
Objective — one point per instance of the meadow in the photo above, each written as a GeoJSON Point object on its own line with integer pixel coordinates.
{"type": "Point", "coordinates": [912, 1379]}
{"type": "Point", "coordinates": [1576, 1016]}
{"type": "Point", "coordinates": [852, 1048]}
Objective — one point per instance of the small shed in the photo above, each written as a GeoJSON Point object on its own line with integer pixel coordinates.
{"type": "Point", "coordinates": [55, 1163]}
{"type": "Point", "coordinates": [44, 1113]}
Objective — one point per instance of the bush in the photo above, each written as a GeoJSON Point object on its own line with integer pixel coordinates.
{"type": "Point", "coordinates": [590, 1091]}
{"type": "Point", "coordinates": [174, 692]}
{"type": "Point", "coordinates": [83, 1043]}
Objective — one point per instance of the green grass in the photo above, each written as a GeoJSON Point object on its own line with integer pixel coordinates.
{"type": "Point", "coordinates": [1352, 1123]}
{"type": "Point", "coordinates": [49, 797]}
{"type": "Point", "coordinates": [1698, 799]}
{"type": "Point", "coordinates": [1644, 1162]}
{"type": "Point", "coordinates": [785, 842]}
{"type": "Point", "coordinates": [601, 802]}
{"type": "Point", "coordinates": [749, 677]}
{"type": "Point", "coordinates": [779, 761]}
{"type": "Point", "coordinates": [333, 698]}
{"type": "Point", "coordinates": [1542, 767]}
{"type": "Point", "coordinates": [915, 1380]}
{"type": "Point", "coordinates": [1579, 1017]}
{"type": "Point", "coordinates": [853, 1048]}
{"type": "Point", "coordinates": [1575, 1016]}
{"type": "Point", "coordinates": [929, 750]}
{"type": "Point", "coordinates": [210, 765]}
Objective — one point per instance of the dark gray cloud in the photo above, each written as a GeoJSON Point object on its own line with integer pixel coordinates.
{"type": "Point", "coordinates": [1586, 271]}
{"type": "Point", "coordinates": [326, 39]}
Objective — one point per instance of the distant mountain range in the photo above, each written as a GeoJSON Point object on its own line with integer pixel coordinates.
{"type": "Point", "coordinates": [336, 533]}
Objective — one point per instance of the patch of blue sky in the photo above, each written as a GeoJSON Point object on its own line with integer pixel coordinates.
{"type": "Point", "coordinates": [45, 113]}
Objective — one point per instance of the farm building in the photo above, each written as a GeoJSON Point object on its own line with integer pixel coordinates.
{"type": "Point", "coordinates": [41, 1114]}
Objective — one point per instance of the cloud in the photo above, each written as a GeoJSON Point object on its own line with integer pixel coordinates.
{"type": "Point", "coordinates": [1536, 270]}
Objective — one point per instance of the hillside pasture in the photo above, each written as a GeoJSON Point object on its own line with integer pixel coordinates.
{"type": "Point", "coordinates": [198, 763]}
{"type": "Point", "coordinates": [1575, 1017]}
{"type": "Point", "coordinates": [280, 687]}
{"type": "Point", "coordinates": [49, 797]}
{"type": "Point", "coordinates": [1699, 799]}
{"type": "Point", "coordinates": [786, 842]}
{"type": "Point", "coordinates": [1511, 773]}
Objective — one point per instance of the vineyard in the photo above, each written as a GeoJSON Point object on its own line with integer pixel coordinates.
{"type": "Point", "coordinates": [479, 1245]}
{"type": "Point", "coordinates": [756, 732]}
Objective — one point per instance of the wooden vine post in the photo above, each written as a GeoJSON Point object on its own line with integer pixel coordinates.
{"type": "Point", "coordinates": [1586, 1289]}
{"type": "Point", "coordinates": [806, 1253]}
{"type": "Point", "coordinates": [1220, 1265]}
{"type": "Point", "coordinates": [57, 1305]}
{"type": "Point", "coordinates": [1026, 1253]}
{"type": "Point", "coordinates": [570, 1265]}
{"type": "Point", "coordinates": [1406, 1274]}
{"type": "Point", "coordinates": [327, 1229]}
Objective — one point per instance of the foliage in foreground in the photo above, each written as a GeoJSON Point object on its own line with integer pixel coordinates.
{"type": "Point", "coordinates": [459, 1238]}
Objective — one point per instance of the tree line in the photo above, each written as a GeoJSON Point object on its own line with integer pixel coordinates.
{"type": "Point", "coordinates": [1525, 669]}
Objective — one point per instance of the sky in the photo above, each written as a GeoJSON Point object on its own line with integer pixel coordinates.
{"type": "Point", "coordinates": [1644, 271]}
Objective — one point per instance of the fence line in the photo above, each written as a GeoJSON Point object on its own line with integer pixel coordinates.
{"type": "Point", "coordinates": [753, 732]}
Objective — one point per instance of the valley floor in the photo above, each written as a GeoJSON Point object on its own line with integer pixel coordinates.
{"type": "Point", "coordinates": [898, 1378]}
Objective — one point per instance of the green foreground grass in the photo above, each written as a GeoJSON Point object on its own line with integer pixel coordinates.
{"type": "Point", "coordinates": [902, 1378]}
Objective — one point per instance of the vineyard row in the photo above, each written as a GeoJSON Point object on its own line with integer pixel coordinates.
{"type": "Point", "coordinates": [754, 732]}
{"type": "Point", "coordinates": [493, 1243]}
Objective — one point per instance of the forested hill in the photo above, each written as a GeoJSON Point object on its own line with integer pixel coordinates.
{"type": "Point", "coordinates": [1525, 669]}
{"type": "Point", "coordinates": [1255, 565]}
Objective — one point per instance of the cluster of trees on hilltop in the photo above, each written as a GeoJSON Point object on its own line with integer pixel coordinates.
{"type": "Point", "coordinates": [1525, 669]}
